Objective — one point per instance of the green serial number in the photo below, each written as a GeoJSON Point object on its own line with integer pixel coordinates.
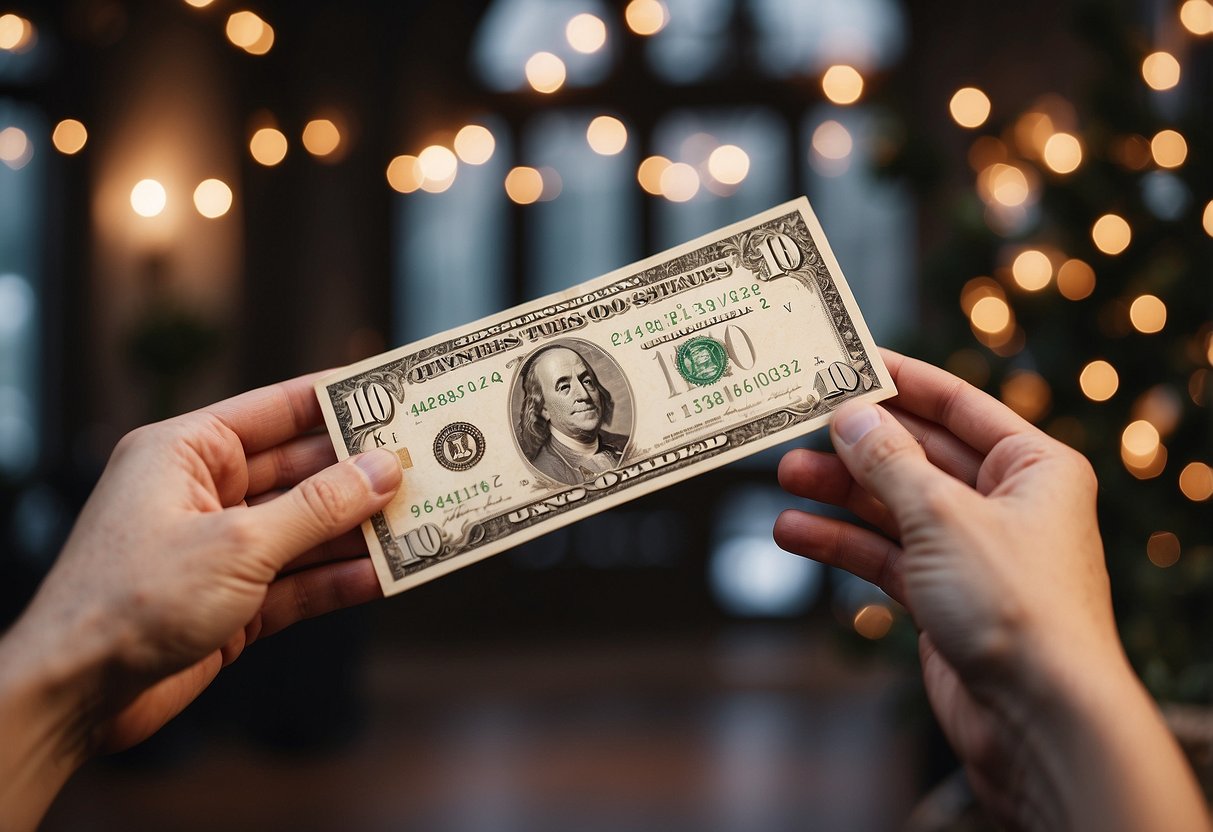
{"type": "Point", "coordinates": [456, 497]}
{"type": "Point", "coordinates": [454, 394]}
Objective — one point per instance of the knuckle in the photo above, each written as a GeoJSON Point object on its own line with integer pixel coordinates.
{"type": "Point", "coordinates": [243, 532]}
{"type": "Point", "coordinates": [327, 503]}
{"type": "Point", "coordinates": [889, 448]}
{"type": "Point", "coordinates": [937, 498]}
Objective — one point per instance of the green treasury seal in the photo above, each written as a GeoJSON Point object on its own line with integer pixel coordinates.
{"type": "Point", "coordinates": [702, 360]}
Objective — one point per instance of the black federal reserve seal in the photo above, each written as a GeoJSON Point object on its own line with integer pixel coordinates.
{"type": "Point", "coordinates": [459, 446]}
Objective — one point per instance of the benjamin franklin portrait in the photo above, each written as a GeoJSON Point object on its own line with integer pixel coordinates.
{"type": "Point", "coordinates": [564, 411]}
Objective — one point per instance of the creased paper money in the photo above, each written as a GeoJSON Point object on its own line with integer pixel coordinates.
{"type": "Point", "coordinates": [536, 417]}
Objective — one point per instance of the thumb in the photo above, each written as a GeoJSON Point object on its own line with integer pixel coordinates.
{"type": "Point", "coordinates": [882, 456]}
{"type": "Point", "coordinates": [327, 504]}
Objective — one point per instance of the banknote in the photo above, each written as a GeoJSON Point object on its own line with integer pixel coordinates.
{"type": "Point", "coordinates": [541, 415]}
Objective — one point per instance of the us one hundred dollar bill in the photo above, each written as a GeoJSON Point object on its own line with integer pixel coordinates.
{"type": "Point", "coordinates": [539, 416]}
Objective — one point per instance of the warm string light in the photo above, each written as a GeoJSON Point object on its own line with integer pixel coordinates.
{"type": "Point", "coordinates": [1163, 549]}
{"type": "Point", "coordinates": [646, 17]}
{"type": "Point", "coordinates": [1196, 482]}
{"type": "Point", "coordinates": [1028, 394]}
{"type": "Point", "coordinates": [1197, 16]}
{"type": "Point", "coordinates": [474, 144]}
{"type": "Point", "coordinates": [1099, 381]}
{"type": "Point", "coordinates": [268, 146]}
{"type": "Point", "coordinates": [729, 164]}
{"type": "Point", "coordinates": [832, 146]}
{"type": "Point", "coordinates": [679, 182]}
{"type": "Point", "coordinates": [148, 198]}
{"type": "Point", "coordinates": [16, 149]}
{"type": "Point", "coordinates": [1032, 270]}
{"type": "Point", "coordinates": [606, 135]}
{"type": "Point", "coordinates": [1207, 219]}
{"type": "Point", "coordinates": [1160, 70]}
{"type": "Point", "coordinates": [1169, 149]}
{"type": "Point", "coordinates": [873, 621]}
{"type": "Point", "coordinates": [212, 198]}
{"type": "Point", "coordinates": [1111, 234]}
{"type": "Point", "coordinates": [524, 185]}
{"type": "Point", "coordinates": [321, 137]}
{"type": "Point", "coordinates": [648, 174]}
{"type": "Point", "coordinates": [404, 174]}
{"type": "Point", "coordinates": [248, 31]}
{"type": "Point", "coordinates": [586, 33]}
{"type": "Point", "coordinates": [439, 166]}
{"type": "Point", "coordinates": [1062, 153]}
{"type": "Point", "coordinates": [545, 72]}
{"type": "Point", "coordinates": [1075, 279]}
{"type": "Point", "coordinates": [842, 84]}
{"type": "Point", "coordinates": [1148, 314]}
{"type": "Point", "coordinates": [970, 107]}
{"type": "Point", "coordinates": [16, 33]}
{"type": "Point", "coordinates": [69, 136]}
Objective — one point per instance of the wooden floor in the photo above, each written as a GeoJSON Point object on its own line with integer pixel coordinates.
{"type": "Point", "coordinates": [749, 728]}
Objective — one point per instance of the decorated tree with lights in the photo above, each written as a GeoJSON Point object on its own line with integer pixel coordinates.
{"type": "Point", "coordinates": [1076, 286]}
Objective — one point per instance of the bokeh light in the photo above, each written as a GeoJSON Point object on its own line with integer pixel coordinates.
{"type": "Point", "coordinates": [1062, 153]}
{"type": "Point", "coordinates": [1207, 219]}
{"type": "Point", "coordinates": [1161, 406]}
{"type": "Point", "coordinates": [148, 198]}
{"type": "Point", "coordinates": [1032, 270]}
{"type": "Point", "coordinates": [438, 168]}
{"type": "Point", "coordinates": [1169, 149]}
{"type": "Point", "coordinates": [553, 184]}
{"type": "Point", "coordinates": [842, 84]}
{"type": "Point", "coordinates": [1197, 16]}
{"type": "Point", "coordinates": [1111, 234]}
{"type": "Point", "coordinates": [69, 136]}
{"type": "Point", "coordinates": [832, 146]}
{"type": "Point", "coordinates": [1075, 279]}
{"type": "Point", "coordinates": [586, 33]}
{"type": "Point", "coordinates": [404, 174]}
{"type": "Point", "coordinates": [648, 174]}
{"type": "Point", "coordinates": [873, 621]}
{"type": "Point", "coordinates": [199, 4]}
{"type": "Point", "coordinates": [679, 182]}
{"type": "Point", "coordinates": [16, 33]}
{"type": "Point", "coordinates": [524, 185]}
{"type": "Point", "coordinates": [212, 198]}
{"type": "Point", "coordinates": [1163, 549]}
{"type": "Point", "coordinates": [1027, 393]}
{"type": "Point", "coordinates": [15, 147]}
{"type": "Point", "coordinates": [1005, 184]}
{"type": "Point", "coordinates": [545, 72]}
{"type": "Point", "coordinates": [1160, 70]}
{"type": "Point", "coordinates": [1032, 132]}
{"type": "Point", "coordinates": [1148, 314]}
{"type": "Point", "coordinates": [990, 315]}
{"type": "Point", "coordinates": [245, 29]}
{"type": "Point", "coordinates": [1133, 152]}
{"type": "Point", "coordinates": [646, 17]}
{"type": "Point", "coordinates": [1196, 481]}
{"type": "Point", "coordinates": [268, 146]}
{"type": "Point", "coordinates": [970, 107]}
{"type": "Point", "coordinates": [474, 144]}
{"type": "Point", "coordinates": [1140, 438]}
{"type": "Point", "coordinates": [321, 137]}
{"type": "Point", "coordinates": [729, 164]}
{"type": "Point", "coordinates": [607, 135]}
{"type": "Point", "coordinates": [1099, 380]}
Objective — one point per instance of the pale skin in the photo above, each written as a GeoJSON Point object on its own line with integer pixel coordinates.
{"type": "Point", "coordinates": [205, 533]}
{"type": "Point", "coordinates": [984, 528]}
{"type": "Point", "coordinates": [222, 526]}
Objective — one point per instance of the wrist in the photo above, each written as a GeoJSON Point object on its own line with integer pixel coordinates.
{"type": "Point", "coordinates": [53, 675]}
{"type": "Point", "coordinates": [1094, 751]}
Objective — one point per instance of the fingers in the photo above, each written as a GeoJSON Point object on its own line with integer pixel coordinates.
{"type": "Point", "coordinates": [976, 418]}
{"type": "Point", "coordinates": [288, 464]}
{"type": "Point", "coordinates": [823, 477]}
{"type": "Point", "coordinates": [271, 415]}
{"type": "Point", "coordinates": [863, 553]}
{"type": "Point", "coordinates": [324, 506]}
{"type": "Point", "coordinates": [316, 591]}
{"type": "Point", "coordinates": [884, 459]}
{"type": "Point", "coordinates": [941, 446]}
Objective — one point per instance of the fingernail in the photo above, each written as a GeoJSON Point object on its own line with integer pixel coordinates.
{"type": "Point", "coordinates": [853, 423]}
{"type": "Point", "coordinates": [381, 467]}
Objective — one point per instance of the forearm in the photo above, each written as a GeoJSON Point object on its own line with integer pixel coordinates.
{"type": "Point", "coordinates": [44, 718]}
{"type": "Point", "coordinates": [1098, 755]}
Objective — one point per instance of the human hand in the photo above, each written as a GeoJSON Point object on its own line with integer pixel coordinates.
{"type": "Point", "coordinates": [205, 532]}
{"type": "Point", "coordinates": [984, 528]}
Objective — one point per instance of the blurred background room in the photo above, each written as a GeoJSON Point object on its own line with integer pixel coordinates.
{"type": "Point", "coordinates": [202, 196]}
